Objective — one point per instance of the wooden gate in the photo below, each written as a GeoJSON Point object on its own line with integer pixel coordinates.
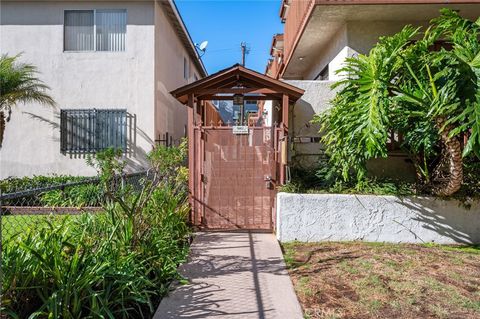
{"type": "Point", "coordinates": [233, 175]}
{"type": "Point", "coordinates": [236, 188]}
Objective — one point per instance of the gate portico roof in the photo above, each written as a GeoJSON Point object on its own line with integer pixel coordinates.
{"type": "Point", "coordinates": [238, 80]}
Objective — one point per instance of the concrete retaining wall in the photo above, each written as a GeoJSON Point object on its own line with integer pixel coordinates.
{"type": "Point", "coordinates": [333, 217]}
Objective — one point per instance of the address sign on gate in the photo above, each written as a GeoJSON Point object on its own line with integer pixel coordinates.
{"type": "Point", "coordinates": [240, 129]}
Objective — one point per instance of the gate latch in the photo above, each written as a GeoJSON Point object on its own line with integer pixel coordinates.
{"type": "Point", "coordinates": [268, 182]}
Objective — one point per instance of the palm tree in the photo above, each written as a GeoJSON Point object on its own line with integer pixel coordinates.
{"type": "Point", "coordinates": [431, 98]}
{"type": "Point", "coordinates": [447, 83]}
{"type": "Point", "coordinates": [19, 84]}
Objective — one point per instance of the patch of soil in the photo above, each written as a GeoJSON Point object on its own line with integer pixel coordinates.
{"type": "Point", "coordinates": [362, 280]}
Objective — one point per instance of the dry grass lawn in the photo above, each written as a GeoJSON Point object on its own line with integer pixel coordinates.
{"type": "Point", "coordinates": [371, 280]}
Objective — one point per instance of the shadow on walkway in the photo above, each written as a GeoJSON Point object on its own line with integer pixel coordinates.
{"type": "Point", "coordinates": [233, 275]}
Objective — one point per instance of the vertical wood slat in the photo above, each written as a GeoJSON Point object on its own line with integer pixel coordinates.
{"type": "Point", "coordinates": [284, 137]}
{"type": "Point", "coordinates": [191, 157]}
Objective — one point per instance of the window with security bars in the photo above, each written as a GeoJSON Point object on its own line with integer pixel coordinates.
{"type": "Point", "coordinates": [91, 130]}
{"type": "Point", "coordinates": [95, 30]}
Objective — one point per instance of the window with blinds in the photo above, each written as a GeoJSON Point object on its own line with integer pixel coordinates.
{"type": "Point", "coordinates": [185, 68]}
{"type": "Point", "coordinates": [95, 30]}
{"type": "Point", "coordinates": [91, 130]}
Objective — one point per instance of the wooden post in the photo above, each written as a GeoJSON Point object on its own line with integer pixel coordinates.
{"type": "Point", "coordinates": [285, 103]}
{"type": "Point", "coordinates": [191, 157]}
{"type": "Point", "coordinates": [198, 112]}
{"type": "Point", "coordinates": [198, 163]}
{"type": "Point", "coordinates": [284, 139]}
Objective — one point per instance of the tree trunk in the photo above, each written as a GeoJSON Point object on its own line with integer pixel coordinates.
{"type": "Point", "coordinates": [453, 154]}
{"type": "Point", "coordinates": [2, 127]}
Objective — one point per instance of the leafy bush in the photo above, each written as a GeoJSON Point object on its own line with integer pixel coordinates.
{"type": "Point", "coordinates": [325, 182]}
{"type": "Point", "coordinates": [71, 196]}
{"type": "Point", "coordinates": [116, 264]}
{"type": "Point", "coordinates": [16, 184]}
{"type": "Point", "coordinates": [431, 98]}
{"type": "Point", "coordinates": [74, 196]}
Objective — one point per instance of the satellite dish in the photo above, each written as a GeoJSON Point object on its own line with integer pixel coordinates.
{"type": "Point", "coordinates": [203, 46]}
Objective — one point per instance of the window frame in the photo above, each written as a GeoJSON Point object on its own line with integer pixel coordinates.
{"type": "Point", "coordinates": [185, 68]}
{"type": "Point", "coordinates": [95, 30]}
{"type": "Point", "coordinates": [324, 74]}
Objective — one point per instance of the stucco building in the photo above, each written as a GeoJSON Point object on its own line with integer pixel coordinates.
{"type": "Point", "coordinates": [319, 35]}
{"type": "Point", "coordinates": [110, 66]}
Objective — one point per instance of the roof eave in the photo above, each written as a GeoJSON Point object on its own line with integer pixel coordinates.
{"type": "Point", "coordinates": [236, 70]}
{"type": "Point", "coordinates": [361, 2]}
{"type": "Point", "coordinates": [190, 46]}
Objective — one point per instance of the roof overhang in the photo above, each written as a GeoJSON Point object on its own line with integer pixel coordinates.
{"type": "Point", "coordinates": [238, 80]}
{"type": "Point", "coordinates": [329, 16]}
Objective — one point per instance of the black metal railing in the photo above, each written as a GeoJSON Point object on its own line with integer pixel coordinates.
{"type": "Point", "coordinates": [85, 131]}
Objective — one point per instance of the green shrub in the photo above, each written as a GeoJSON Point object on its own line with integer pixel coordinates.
{"type": "Point", "coordinates": [71, 196]}
{"type": "Point", "coordinates": [15, 184]}
{"type": "Point", "coordinates": [74, 196]}
{"type": "Point", "coordinates": [117, 264]}
{"type": "Point", "coordinates": [325, 181]}
{"type": "Point", "coordinates": [431, 98]}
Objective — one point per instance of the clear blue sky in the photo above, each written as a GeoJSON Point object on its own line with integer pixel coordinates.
{"type": "Point", "coordinates": [226, 23]}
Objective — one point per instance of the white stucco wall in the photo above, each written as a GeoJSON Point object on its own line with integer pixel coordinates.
{"type": "Point", "coordinates": [315, 100]}
{"type": "Point", "coordinates": [333, 217]}
{"type": "Point", "coordinates": [334, 53]}
{"type": "Point", "coordinates": [77, 80]}
{"type": "Point", "coordinates": [170, 115]}
{"type": "Point", "coordinates": [352, 38]}
{"type": "Point", "coordinates": [138, 79]}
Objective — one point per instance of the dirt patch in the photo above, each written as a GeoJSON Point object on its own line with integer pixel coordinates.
{"type": "Point", "coordinates": [371, 280]}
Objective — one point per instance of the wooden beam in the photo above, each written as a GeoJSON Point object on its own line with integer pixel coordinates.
{"type": "Point", "coordinates": [191, 156]}
{"type": "Point", "coordinates": [227, 84]}
{"type": "Point", "coordinates": [247, 98]}
{"type": "Point", "coordinates": [261, 90]}
{"type": "Point", "coordinates": [284, 136]}
{"type": "Point", "coordinates": [197, 111]}
{"type": "Point", "coordinates": [272, 83]}
{"type": "Point", "coordinates": [285, 110]}
{"type": "Point", "coordinates": [240, 74]}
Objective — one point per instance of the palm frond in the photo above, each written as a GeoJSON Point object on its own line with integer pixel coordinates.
{"type": "Point", "coordinates": [19, 84]}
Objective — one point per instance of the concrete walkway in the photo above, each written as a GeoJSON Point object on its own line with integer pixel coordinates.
{"type": "Point", "coordinates": [233, 275]}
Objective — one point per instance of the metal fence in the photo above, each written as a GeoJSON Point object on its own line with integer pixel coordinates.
{"type": "Point", "coordinates": [27, 205]}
